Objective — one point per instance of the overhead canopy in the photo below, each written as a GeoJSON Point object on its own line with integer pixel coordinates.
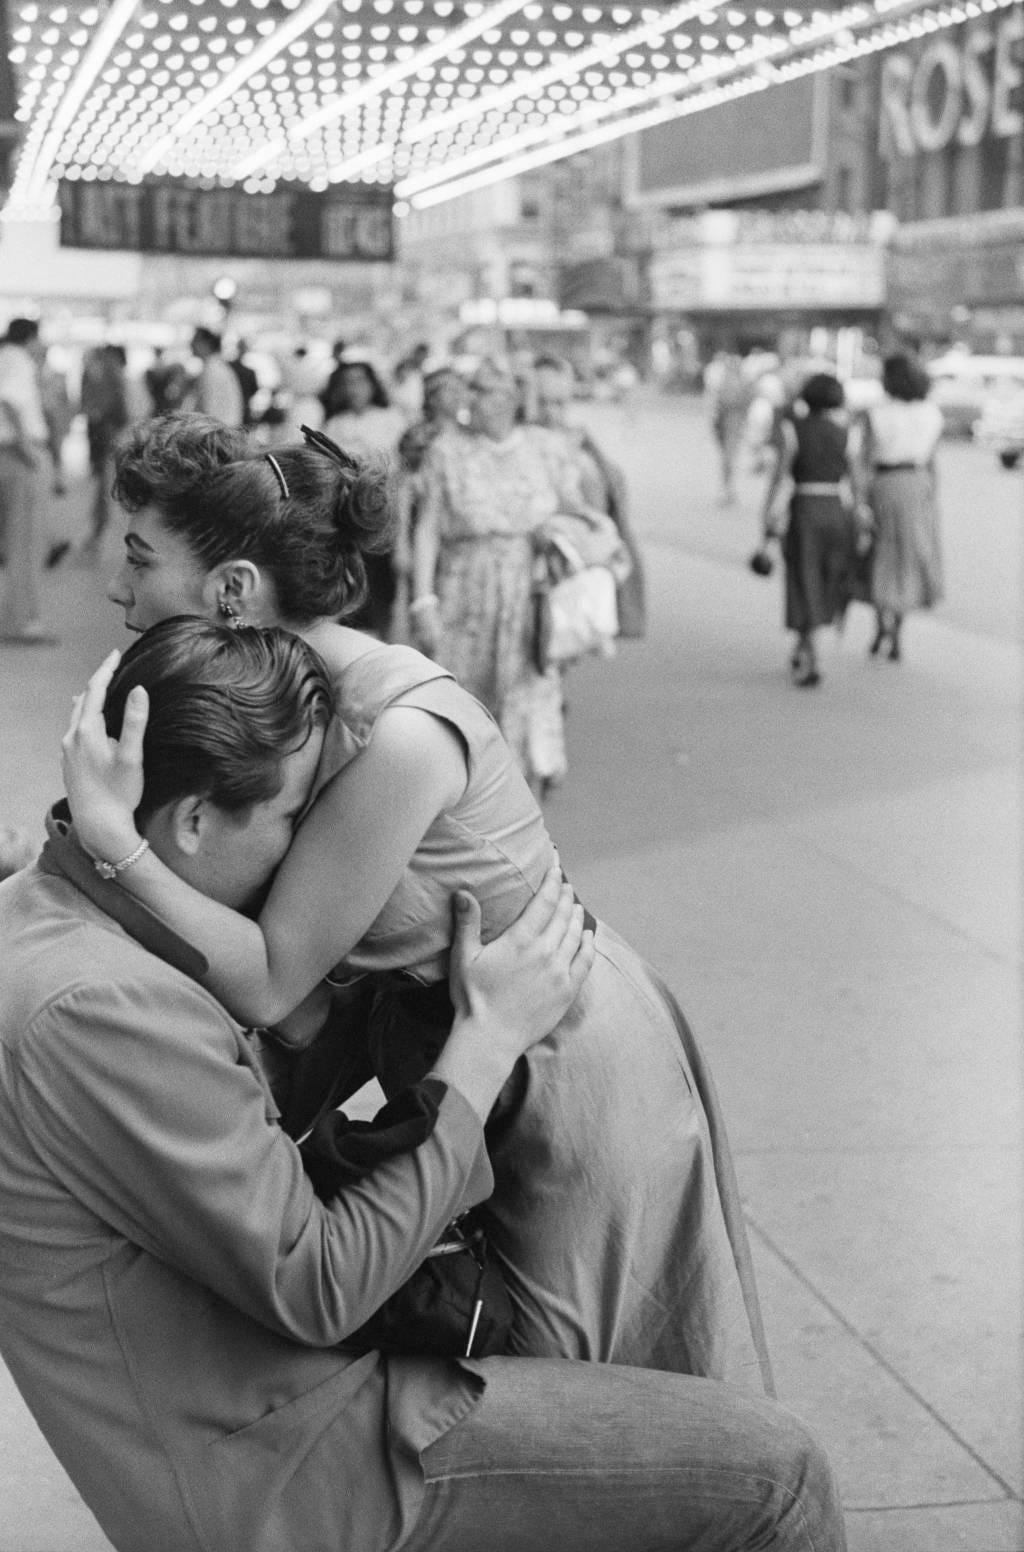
{"type": "Point", "coordinates": [431, 96]}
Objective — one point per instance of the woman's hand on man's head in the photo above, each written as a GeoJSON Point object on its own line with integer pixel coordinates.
{"type": "Point", "coordinates": [103, 776]}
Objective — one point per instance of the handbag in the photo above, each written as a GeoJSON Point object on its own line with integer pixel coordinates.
{"type": "Point", "coordinates": [455, 1304]}
{"type": "Point", "coordinates": [580, 616]}
{"type": "Point", "coordinates": [761, 563]}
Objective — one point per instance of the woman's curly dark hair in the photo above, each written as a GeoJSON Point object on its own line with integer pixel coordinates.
{"type": "Point", "coordinates": [904, 378]}
{"type": "Point", "coordinates": [218, 492]}
{"type": "Point", "coordinates": [822, 392]}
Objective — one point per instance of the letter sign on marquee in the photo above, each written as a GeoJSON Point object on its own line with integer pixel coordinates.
{"type": "Point", "coordinates": [351, 224]}
{"type": "Point", "coordinates": [962, 88]}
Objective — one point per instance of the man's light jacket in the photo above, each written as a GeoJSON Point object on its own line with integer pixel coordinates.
{"type": "Point", "coordinates": [171, 1291]}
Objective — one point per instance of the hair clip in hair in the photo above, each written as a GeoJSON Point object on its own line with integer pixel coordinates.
{"type": "Point", "coordinates": [280, 476]}
{"type": "Point", "coordinates": [323, 444]}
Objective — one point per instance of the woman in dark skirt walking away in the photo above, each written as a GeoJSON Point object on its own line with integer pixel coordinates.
{"type": "Point", "coordinates": [820, 540]}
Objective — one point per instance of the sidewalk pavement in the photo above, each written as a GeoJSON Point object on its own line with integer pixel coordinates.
{"type": "Point", "coordinates": [831, 882]}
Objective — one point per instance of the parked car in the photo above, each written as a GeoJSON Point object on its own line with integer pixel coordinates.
{"type": "Point", "coordinates": [1000, 425]}
{"type": "Point", "coordinates": [962, 385]}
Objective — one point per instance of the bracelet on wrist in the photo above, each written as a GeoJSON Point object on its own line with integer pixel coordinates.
{"type": "Point", "coordinates": [425, 601]}
{"type": "Point", "coordinates": [112, 869]}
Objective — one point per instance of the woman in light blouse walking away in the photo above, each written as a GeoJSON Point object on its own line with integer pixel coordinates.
{"type": "Point", "coordinates": [902, 434]}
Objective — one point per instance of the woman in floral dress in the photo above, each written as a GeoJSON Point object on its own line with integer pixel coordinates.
{"type": "Point", "coordinates": [486, 489]}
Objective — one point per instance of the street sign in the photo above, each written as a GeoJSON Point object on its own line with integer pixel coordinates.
{"type": "Point", "coordinates": [351, 223]}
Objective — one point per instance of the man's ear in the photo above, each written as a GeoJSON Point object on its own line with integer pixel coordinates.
{"type": "Point", "coordinates": [183, 823]}
{"type": "Point", "coordinates": [240, 584]}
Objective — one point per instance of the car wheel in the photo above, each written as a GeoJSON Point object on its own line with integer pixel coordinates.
{"type": "Point", "coordinates": [1009, 460]}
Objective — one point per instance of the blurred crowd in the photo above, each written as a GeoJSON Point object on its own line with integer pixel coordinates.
{"type": "Point", "coordinates": [512, 553]}
{"type": "Point", "coordinates": [501, 497]}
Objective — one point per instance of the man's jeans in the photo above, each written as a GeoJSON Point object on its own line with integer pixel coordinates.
{"type": "Point", "coordinates": [578, 1457]}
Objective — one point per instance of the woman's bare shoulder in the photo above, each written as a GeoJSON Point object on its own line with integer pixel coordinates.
{"type": "Point", "coordinates": [339, 645]}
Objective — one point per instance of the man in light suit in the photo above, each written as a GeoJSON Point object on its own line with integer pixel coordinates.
{"type": "Point", "coordinates": [175, 1300]}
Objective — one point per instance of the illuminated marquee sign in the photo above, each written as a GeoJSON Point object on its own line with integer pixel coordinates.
{"type": "Point", "coordinates": [731, 260]}
{"type": "Point", "coordinates": [347, 223]}
{"type": "Point", "coordinates": [769, 276]}
{"type": "Point", "coordinates": [963, 87]}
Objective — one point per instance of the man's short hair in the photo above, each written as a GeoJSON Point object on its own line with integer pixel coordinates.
{"type": "Point", "coordinates": [226, 708]}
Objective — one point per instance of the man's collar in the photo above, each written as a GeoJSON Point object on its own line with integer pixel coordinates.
{"type": "Point", "coordinates": [64, 854]}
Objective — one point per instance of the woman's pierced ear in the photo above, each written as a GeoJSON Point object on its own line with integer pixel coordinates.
{"type": "Point", "coordinates": [230, 615]}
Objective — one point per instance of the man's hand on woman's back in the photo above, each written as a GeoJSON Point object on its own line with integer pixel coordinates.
{"type": "Point", "coordinates": [511, 992]}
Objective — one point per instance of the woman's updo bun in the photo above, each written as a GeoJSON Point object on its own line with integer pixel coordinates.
{"type": "Point", "coordinates": [365, 512]}
{"type": "Point", "coordinates": [338, 510]}
{"type": "Point", "coordinates": [364, 521]}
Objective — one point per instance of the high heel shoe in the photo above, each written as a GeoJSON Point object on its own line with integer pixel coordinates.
{"type": "Point", "coordinates": [807, 679]}
{"type": "Point", "coordinates": [883, 633]}
{"type": "Point", "coordinates": [803, 669]}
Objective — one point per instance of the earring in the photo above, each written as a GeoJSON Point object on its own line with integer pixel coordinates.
{"type": "Point", "coordinates": [229, 614]}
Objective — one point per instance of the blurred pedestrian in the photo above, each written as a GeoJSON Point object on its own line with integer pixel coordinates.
{"type": "Point", "coordinates": [331, 394]}
{"type": "Point", "coordinates": [58, 412]}
{"type": "Point", "coordinates": [487, 489]}
{"type": "Point", "coordinates": [301, 381]}
{"type": "Point", "coordinates": [819, 543]}
{"type": "Point", "coordinates": [602, 482]}
{"type": "Point", "coordinates": [767, 404]}
{"type": "Point", "coordinates": [248, 382]}
{"type": "Point", "coordinates": [215, 391]}
{"type": "Point", "coordinates": [363, 421]}
{"type": "Point", "coordinates": [104, 402]}
{"type": "Point", "coordinates": [366, 425]}
{"type": "Point", "coordinates": [407, 382]}
{"type": "Point", "coordinates": [24, 474]}
{"type": "Point", "coordinates": [444, 402]}
{"type": "Point", "coordinates": [901, 437]}
{"type": "Point", "coordinates": [167, 383]}
{"type": "Point", "coordinates": [727, 397]}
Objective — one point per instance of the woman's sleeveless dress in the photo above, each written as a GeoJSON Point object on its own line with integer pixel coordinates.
{"type": "Point", "coordinates": [615, 1212]}
{"type": "Point", "coordinates": [819, 544]}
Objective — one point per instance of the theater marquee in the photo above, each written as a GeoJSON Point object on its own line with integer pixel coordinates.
{"type": "Point", "coordinates": [758, 261]}
{"type": "Point", "coordinates": [347, 223]}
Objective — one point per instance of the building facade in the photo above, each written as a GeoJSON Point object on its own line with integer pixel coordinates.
{"type": "Point", "coordinates": [950, 166]}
